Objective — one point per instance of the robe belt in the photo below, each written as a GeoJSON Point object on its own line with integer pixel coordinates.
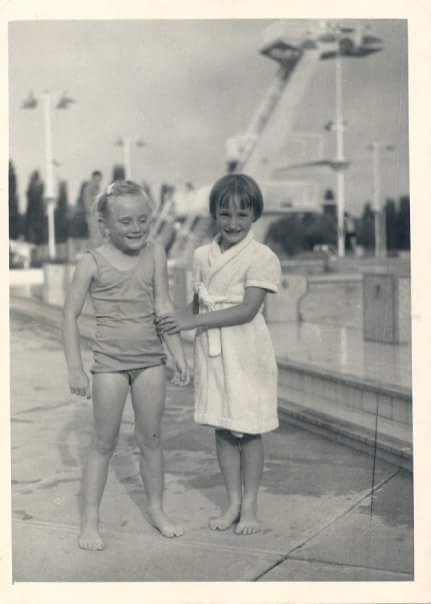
{"type": "Point", "coordinates": [210, 303]}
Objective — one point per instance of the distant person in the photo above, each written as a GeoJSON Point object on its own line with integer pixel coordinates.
{"type": "Point", "coordinates": [90, 193]}
{"type": "Point", "coordinates": [235, 371]}
{"type": "Point", "coordinates": [126, 278]}
{"type": "Point", "coordinates": [349, 233]}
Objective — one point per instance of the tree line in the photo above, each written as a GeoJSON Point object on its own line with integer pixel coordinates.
{"type": "Point", "coordinates": [301, 232]}
{"type": "Point", "coordinates": [70, 221]}
{"type": "Point", "coordinates": [292, 234]}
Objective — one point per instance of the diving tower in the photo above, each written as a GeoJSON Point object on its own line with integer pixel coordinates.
{"type": "Point", "coordinates": [297, 47]}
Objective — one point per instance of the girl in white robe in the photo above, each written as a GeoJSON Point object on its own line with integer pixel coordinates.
{"type": "Point", "coordinates": [235, 370]}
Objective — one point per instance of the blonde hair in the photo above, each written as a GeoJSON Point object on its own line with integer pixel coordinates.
{"type": "Point", "coordinates": [118, 188]}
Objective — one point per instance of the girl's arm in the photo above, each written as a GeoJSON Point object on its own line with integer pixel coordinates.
{"type": "Point", "coordinates": [78, 290]}
{"type": "Point", "coordinates": [163, 306]}
{"type": "Point", "coordinates": [235, 315]}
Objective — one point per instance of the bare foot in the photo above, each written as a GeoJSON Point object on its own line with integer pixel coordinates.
{"type": "Point", "coordinates": [161, 522]}
{"type": "Point", "coordinates": [229, 517]}
{"type": "Point", "coordinates": [248, 523]}
{"type": "Point", "coordinates": [90, 538]}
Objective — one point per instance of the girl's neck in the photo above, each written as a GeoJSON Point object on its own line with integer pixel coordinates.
{"type": "Point", "coordinates": [224, 246]}
{"type": "Point", "coordinates": [116, 251]}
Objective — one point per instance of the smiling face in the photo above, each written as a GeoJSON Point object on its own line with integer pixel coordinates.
{"type": "Point", "coordinates": [128, 222]}
{"type": "Point", "coordinates": [233, 222]}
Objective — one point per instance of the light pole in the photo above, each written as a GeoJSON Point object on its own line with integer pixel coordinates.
{"type": "Point", "coordinates": [127, 142]}
{"type": "Point", "coordinates": [349, 42]}
{"type": "Point", "coordinates": [339, 128]}
{"type": "Point", "coordinates": [31, 102]}
{"type": "Point", "coordinates": [379, 217]}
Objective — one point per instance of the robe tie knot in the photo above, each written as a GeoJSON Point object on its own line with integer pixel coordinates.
{"type": "Point", "coordinates": [208, 303]}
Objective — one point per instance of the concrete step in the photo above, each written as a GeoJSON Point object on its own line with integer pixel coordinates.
{"type": "Point", "coordinates": [366, 416]}
{"type": "Point", "coordinates": [369, 417]}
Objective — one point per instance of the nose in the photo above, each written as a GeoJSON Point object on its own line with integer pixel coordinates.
{"type": "Point", "coordinates": [233, 223]}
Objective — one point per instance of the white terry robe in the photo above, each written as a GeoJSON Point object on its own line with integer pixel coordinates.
{"type": "Point", "coordinates": [235, 371]}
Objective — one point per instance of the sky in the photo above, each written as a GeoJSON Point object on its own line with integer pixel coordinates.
{"type": "Point", "coordinates": [185, 87]}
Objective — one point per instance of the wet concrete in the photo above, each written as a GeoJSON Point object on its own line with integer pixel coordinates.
{"type": "Point", "coordinates": [319, 519]}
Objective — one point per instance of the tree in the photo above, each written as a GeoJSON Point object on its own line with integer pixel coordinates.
{"type": "Point", "coordinates": [61, 216]}
{"type": "Point", "coordinates": [78, 227]}
{"type": "Point", "coordinates": [404, 223]}
{"type": "Point", "coordinates": [14, 215]}
{"type": "Point", "coordinates": [287, 234]}
{"type": "Point", "coordinates": [329, 205]}
{"type": "Point", "coordinates": [297, 233]}
{"type": "Point", "coordinates": [36, 227]}
{"type": "Point", "coordinates": [365, 232]}
{"type": "Point", "coordinates": [390, 213]}
{"type": "Point", "coordinates": [118, 172]}
{"type": "Point", "coordinates": [320, 229]}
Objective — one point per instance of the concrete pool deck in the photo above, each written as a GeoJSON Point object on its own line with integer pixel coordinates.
{"type": "Point", "coordinates": [329, 513]}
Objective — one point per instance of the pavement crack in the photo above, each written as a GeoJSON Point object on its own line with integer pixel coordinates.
{"type": "Point", "coordinates": [124, 536]}
{"type": "Point", "coordinates": [323, 528]}
{"type": "Point", "coordinates": [45, 407]}
{"type": "Point", "coordinates": [350, 565]}
{"type": "Point", "coordinates": [32, 481]}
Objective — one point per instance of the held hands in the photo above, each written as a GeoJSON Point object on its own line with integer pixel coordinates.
{"type": "Point", "coordinates": [169, 325]}
{"type": "Point", "coordinates": [79, 383]}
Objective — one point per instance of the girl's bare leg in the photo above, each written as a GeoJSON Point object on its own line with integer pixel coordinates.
{"type": "Point", "coordinates": [251, 469]}
{"type": "Point", "coordinates": [109, 395]}
{"type": "Point", "coordinates": [228, 455]}
{"type": "Point", "coordinates": [148, 398]}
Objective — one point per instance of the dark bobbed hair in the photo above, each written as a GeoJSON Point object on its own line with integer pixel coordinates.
{"type": "Point", "coordinates": [236, 186]}
{"type": "Point", "coordinates": [118, 188]}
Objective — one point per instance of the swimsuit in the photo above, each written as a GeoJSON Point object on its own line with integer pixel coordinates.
{"type": "Point", "coordinates": [126, 338]}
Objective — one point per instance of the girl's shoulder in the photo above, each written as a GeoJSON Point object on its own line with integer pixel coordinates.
{"type": "Point", "coordinates": [95, 252]}
{"type": "Point", "coordinates": [87, 264]}
{"type": "Point", "coordinates": [201, 251]}
{"type": "Point", "coordinates": [89, 257]}
{"type": "Point", "coordinates": [263, 251]}
{"type": "Point", "coordinates": [95, 256]}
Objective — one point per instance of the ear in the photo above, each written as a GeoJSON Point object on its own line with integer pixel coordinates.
{"type": "Point", "coordinates": [103, 228]}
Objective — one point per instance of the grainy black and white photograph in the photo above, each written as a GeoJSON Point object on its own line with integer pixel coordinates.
{"type": "Point", "coordinates": [210, 300]}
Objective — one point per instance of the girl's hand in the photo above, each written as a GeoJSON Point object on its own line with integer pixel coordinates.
{"type": "Point", "coordinates": [181, 321]}
{"type": "Point", "coordinates": [79, 383]}
{"type": "Point", "coordinates": [182, 372]}
{"type": "Point", "coordinates": [167, 325]}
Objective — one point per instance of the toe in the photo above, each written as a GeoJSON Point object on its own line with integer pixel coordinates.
{"type": "Point", "coordinates": [90, 545]}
